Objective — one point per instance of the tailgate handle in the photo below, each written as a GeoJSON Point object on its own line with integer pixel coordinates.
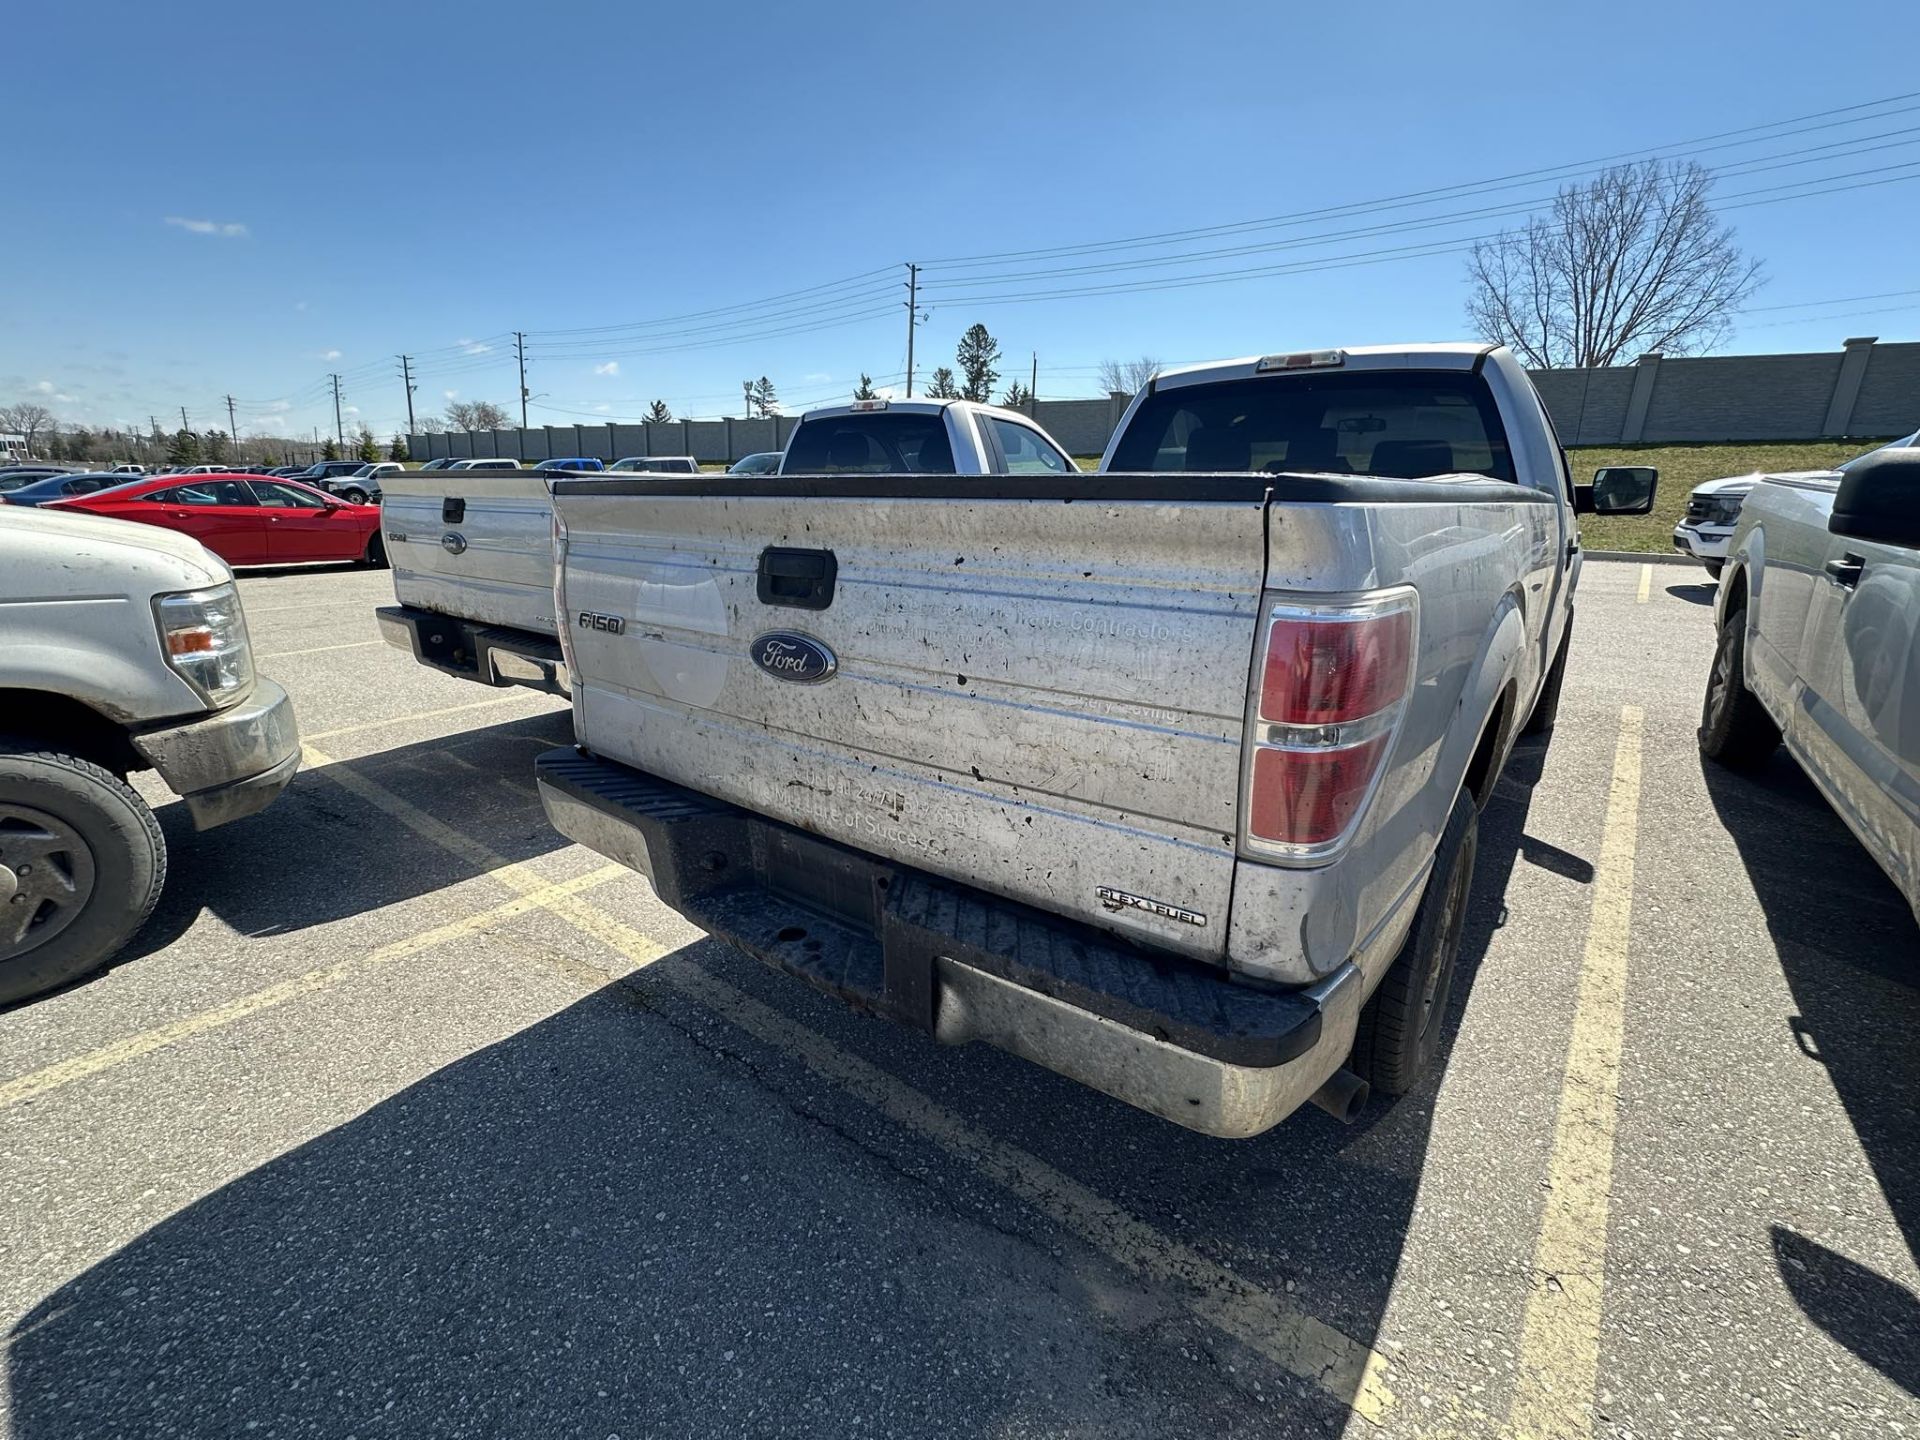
{"type": "Point", "coordinates": [452, 510]}
{"type": "Point", "coordinates": [799, 579]}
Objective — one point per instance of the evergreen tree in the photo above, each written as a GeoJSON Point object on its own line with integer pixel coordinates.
{"type": "Point", "coordinates": [398, 449]}
{"type": "Point", "coordinates": [865, 391]}
{"type": "Point", "coordinates": [1018, 397]}
{"type": "Point", "coordinates": [368, 448]}
{"type": "Point", "coordinates": [330, 451]}
{"type": "Point", "coordinates": [659, 414]}
{"type": "Point", "coordinates": [184, 448]}
{"type": "Point", "coordinates": [215, 446]}
{"type": "Point", "coordinates": [762, 397]}
{"type": "Point", "coordinates": [978, 355]}
{"type": "Point", "coordinates": [942, 386]}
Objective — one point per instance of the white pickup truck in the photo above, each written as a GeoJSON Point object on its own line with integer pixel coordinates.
{"type": "Point", "coordinates": [1819, 645]}
{"type": "Point", "coordinates": [1167, 778]}
{"type": "Point", "coordinates": [472, 550]}
{"type": "Point", "coordinates": [124, 649]}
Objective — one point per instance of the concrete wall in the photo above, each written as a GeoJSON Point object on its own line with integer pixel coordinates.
{"type": "Point", "coordinates": [1866, 389]}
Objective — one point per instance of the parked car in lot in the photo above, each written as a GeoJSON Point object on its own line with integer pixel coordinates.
{"type": "Point", "coordinates": [13, 477]}
{"type": "Point", "coordinates": [126, 650]}
{"type": "Point", "coordinates": [127, 468]}
{"type": "Point", "coordinates": [658, 465]}
{"type": "Point", "coordinates": [61, 487]}
{"type": "Point", "coordinates": [246, 519]}
{"type": "Point", "coordinates": [473, 558]}
{"type": "Point", "coordinates": [485, 464]}
{"type": "Point", "coordinates": [362, 486]}
{"type": "Point", "coordinates": [766, 462]}
{"type": "Point", "coordinates": [1819, 645]}
{"type": "Point", "coordinates": [572, 463]}
{"type": "Point", "coordinates": [1167, 778]}
{"type": "Point", "coordinates": [1713, 509]}
{"type": "Point", "coordinates": [445, 462]}
{"type": "Point", "coordinates": [335, 477]}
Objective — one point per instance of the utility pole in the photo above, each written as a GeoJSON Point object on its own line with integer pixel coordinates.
{"type": "Point", "coordinates": [1033, 389]}
{"type": "Point", "coordinates": [184, 425]}
{"type": "Point", "coordinates": [233, 431]}
{"type": "Point", "coordinates": [339, 431]}
{"type": "Point", "coordinates": [406, 376]}
{"type": "Point", "coordinates": [746, 387]}
{"type": "Point", "coordinates": [520, 352]}
{"type": "Point", "coordinates": [913, 318]}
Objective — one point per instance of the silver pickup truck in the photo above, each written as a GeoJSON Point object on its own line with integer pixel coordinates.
{"type": "Point", "coordinates": [1166, 778]}
{"type": "Point", "coordinates": [472, 551]}
{"type": "Point", "coordinates": [1819, 645]}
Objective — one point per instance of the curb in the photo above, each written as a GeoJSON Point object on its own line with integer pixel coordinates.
{"type": "Point", "coordinates": [1656, 558]}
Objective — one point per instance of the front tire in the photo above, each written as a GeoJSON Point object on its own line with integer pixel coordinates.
{"type": "Point", "coordinates": [1400, 1028]}
{"type": "Point", "coordinates": [1735, 728]}
{"type": "Point", "coordinates": [354, 495]}
{"type": "Point", "coordinates": [1714, 567]}
{"type": "Point", "coordinates": [82, 864]}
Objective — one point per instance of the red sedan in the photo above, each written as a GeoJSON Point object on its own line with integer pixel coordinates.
{"type": "Point", "coordinates": [246, 519]}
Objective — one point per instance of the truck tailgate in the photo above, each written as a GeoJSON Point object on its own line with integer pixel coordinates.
{"type": "Point", "coordinates": [1041, 694]}
{"type": "Point", "coordinates": [476, 544]}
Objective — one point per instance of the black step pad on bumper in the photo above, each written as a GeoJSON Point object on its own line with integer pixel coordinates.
{"type": "Point", "coordinates": [869, 931]}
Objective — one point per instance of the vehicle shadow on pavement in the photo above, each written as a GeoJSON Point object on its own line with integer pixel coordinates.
{"type": "Point", "coordinates": [633, 1218]}
{"type": "Point", "coordinates": [1851, 955]}
{"type": "Point", "coordinates": [1700, 594]}
{"type": "Point", "coordinates": [312, 857]}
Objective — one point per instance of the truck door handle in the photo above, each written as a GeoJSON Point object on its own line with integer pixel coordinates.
{"type": "Point", "coordinates": [1846, 571]}
{"type": "Point", "coordinates": [798, 579]}
{"type": "Point", "coordinates": [453, 510]}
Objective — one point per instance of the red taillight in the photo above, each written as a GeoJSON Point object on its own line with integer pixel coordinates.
{"type": "Point", "coordinates": [1325, 671]}
{"type": "Point", "coordinates": [1333, 682]}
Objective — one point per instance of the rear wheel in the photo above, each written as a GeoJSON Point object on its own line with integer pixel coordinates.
{"type": "Point", "coordinates": [1400, 1028]}
{"type": "Point", "coordinates": [1735, 728]}
{"type": "Point", "coordinates": [82, 863]}
{"type": "Point", "coordinates": [375, 557]}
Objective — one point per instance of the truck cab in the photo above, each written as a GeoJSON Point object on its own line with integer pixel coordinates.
{"type": "Point", "coordinates": [921, 437]}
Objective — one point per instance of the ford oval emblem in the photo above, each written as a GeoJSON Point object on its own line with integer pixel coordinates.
{"type": "Point", "coordinates": [788, 655]}
{"type": "Point", "coordinates": [454, 543]}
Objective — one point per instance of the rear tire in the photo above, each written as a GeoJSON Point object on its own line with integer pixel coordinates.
{"type": "Point", "coordinates": [376, 556]}
{"type": "Point", "coordinates": [1401, 1025]}
{"type": "Point", "coordinates": [1735, 728]}
{"type": "Point", "coordinates": [82, 864]}
{"type": "Point", "coordinates": [1546, 710]}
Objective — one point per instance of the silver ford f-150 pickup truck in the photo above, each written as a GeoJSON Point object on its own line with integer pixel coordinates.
{"type": "Point", "coordinates": [1819, 645]}
{"type": "Point", "coordinates": [1167, 777]}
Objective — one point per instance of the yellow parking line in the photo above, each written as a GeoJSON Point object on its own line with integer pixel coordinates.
{"type": "Point", "coordinates": [1352, 1372]}
{"type": "Point", "coordinates": [318, 650]}
{"type": "Point", "coordinates": [107, 1057]}
{"type": "Point", "coordinates": [1646, 584]}
{"type": "Point", "coordinates": [1560, 1334]}
{"type": "Point", "coordinates": [519, 694]}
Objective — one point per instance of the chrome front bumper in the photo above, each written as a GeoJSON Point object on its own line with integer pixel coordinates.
{"type": "Point", "coordinates": [232, 763]}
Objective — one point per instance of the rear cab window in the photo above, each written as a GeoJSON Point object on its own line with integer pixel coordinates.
{"type": "Point", "coordinates": [874, 443]}
{"type": "Point", "coordinates": [1405, 425]}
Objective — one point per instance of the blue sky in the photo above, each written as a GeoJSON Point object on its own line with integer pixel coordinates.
{"type": "Point", "coordinates": [213, 199]}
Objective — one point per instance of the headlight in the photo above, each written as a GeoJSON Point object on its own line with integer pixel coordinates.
{"type": "Point", "coordinates": [203, 635]}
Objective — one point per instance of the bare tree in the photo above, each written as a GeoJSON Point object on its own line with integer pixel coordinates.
{"type": "Point", "coordinates": [476, 415]}
{"type": "Point", "coordinates": [1128, 377]}
{"type": "Point", "coordinates": [27, 420]}
{"type": "Point", "coordinates": [1631, 262]}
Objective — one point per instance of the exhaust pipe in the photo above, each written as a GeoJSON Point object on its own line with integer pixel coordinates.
{"type": "Point", "coordinates": [1343, 1097]}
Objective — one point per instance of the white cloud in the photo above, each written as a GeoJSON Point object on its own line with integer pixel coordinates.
{"type": "Point", "coordinates": [231, 229]}
{"type": "Point", "coordinates": [474, 347]}
{"type": "Point", "coordinates": [349, 409]}
{"type": "Point", "coordinates": [329, 354]}
{"type": "Point", "coordinates": [611, 367]}
{"type": "Point", "coordinates": [602, 409]}
{"type": "Point", "coordinates": [819, 377]}
{"type": "Point", "coordinates": [45, 387]}
{"type": "Point", "coordinates": [451, 394]}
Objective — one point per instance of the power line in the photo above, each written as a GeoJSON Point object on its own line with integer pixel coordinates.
{"type": "Point", "coordinates": [720, 309]}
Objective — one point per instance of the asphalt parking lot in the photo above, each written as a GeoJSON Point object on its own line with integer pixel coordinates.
{"type": "Point", "coordinates": [404, 1117]}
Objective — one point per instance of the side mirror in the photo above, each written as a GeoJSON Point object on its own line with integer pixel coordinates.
{"type": "Point", "coordinates": [1879, 499]}
{"type": "Point", "coordinates": [1618, 490]}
